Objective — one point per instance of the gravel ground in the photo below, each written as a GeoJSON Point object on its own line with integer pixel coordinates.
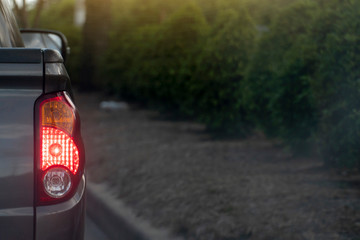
{"type": "Point", "coordinates": [174, 175]}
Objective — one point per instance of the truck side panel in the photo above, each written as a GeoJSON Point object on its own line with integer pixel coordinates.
{"type": "Point", "coordinates": [21, 83]}
{"type": "Point", "coordinates": [17, 163]}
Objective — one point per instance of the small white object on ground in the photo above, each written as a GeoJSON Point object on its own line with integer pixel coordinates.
{"type": "Point", "coordinates": [113, 105]}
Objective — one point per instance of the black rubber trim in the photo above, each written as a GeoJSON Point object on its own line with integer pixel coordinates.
{"type": "Point", "coordinates": [52, 56]}
{"type": "Point", "coordinates": [56, 78]}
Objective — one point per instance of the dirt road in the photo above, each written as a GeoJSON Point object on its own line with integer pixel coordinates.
{"type": "Point", "coordinates": [173, 174]}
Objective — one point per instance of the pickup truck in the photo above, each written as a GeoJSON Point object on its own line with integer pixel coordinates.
{"type": "Point", "coordinates": [42, 181]}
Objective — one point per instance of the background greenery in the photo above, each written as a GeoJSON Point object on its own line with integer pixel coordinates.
{"type": "Point", "coordinates": [289, 68]}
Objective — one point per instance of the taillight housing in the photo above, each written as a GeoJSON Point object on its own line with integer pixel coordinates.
{"type": "Point", "coordinates": [59, 153]}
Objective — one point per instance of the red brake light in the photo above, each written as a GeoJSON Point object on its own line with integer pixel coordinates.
{"type": "Point", "coordinates": [58, 149]}
{"type": "Point", "coordinates": [60, 161]}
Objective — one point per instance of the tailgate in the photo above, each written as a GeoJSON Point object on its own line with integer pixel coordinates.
{"type": "Point", "coordinates": [21, 83]}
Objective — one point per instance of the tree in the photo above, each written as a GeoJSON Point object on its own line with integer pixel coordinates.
{"type": "Point", "coordinates": [95, 39]}
{"type": "Point", "coordinates": [22, 12]}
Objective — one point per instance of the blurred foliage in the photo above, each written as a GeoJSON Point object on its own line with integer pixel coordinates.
{"type": "Point", "coordinates": [336, 85]}
{"type": "Point", "coordinates": [214, 87]}
{"type": "Point", "coordinates": [60, 16]}
{"type": "Point", "coordinates": [152, 59]}
{"type": "Point", "coordinates": [95, 41]}
{"type": "Point", "coordinates": [287, 67]}
{"type": "Point", "coordinates": [303, 82]}
{"type": "Point", "coordinates": [264, 12]}
{"type": "Point", "coordinates": [183, 64]}
{"type": "Point", "coordinates": [277, 90]}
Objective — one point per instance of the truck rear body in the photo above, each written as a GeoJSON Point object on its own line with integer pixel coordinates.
{"type": "Point", "coordinates": [27, 76]}
{"type": "Point", "coordinates": [33, 202]}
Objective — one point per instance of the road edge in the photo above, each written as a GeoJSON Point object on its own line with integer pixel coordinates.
{"type": "Point", "coordinates": [115, 219]}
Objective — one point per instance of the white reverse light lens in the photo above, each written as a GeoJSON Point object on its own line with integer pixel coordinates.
{"type": "Point", "coordinates": [57, 182]}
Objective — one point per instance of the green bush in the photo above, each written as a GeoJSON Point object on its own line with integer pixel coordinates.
{"type": "Point", "coordinates": [336, 85]}
{"type": "Point", "coordinates": [214, 89]}
{"type": "Point", "coordinates": [277, 88]}
{"type": "Point", "coordinates": [179, 42]}
{"type": "Point", "coordinates": [131, 63]}
{"type": "Point", "coordinates": [151, 62]}
{"type": "Point", "coordinates": [301, 84]}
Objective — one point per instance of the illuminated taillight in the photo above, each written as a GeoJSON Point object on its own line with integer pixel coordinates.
{"type": "Point", "coordinates": [59, 159]}
{"type": "Point", "coordinates": [58, 149]}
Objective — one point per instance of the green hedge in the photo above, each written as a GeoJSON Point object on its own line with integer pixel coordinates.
{"type": "Point", "coordinates": [303, 83]}
{"type": "Point", "coordinates": [277, 89]}
{"type": "Point", "coordinates": [298, 82]}
{"type": "Point", "coordinates": [336, 85]}
{"type": "Point", "coordinates": [214, 88]}
{"type": "Point", "coordinates": [187, 66]}
{"type": "Point", "coordinates": [150, 62]}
